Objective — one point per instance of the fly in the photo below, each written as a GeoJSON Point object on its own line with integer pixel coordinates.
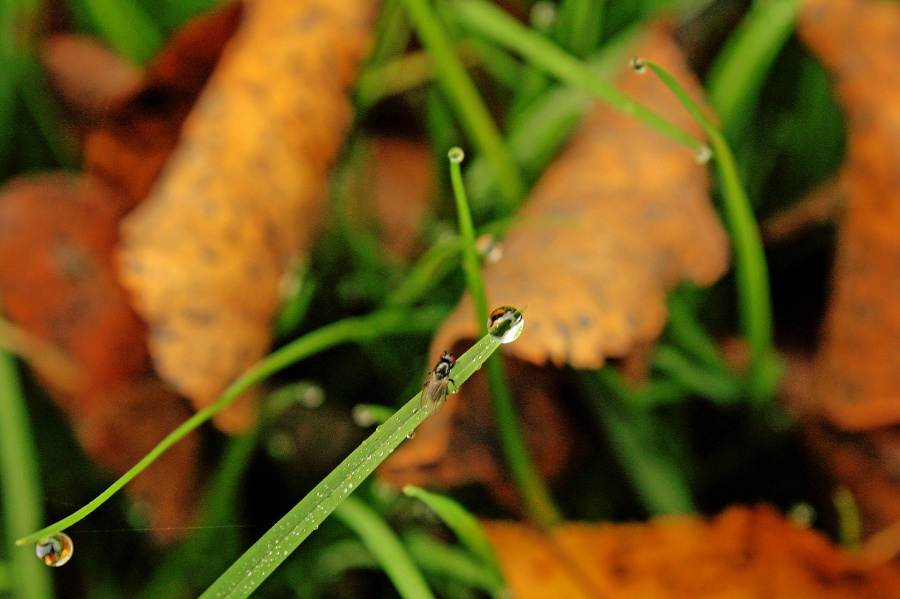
{"type": "Point", "coordinates": [437, 385]}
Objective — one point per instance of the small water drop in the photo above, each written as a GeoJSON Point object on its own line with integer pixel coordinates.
{"type": "Point", "coordinates": [505, 324]}
{"type": "Point", "coordinates": [637, 64]}
{"type": "Point", "coordinates": [56, 550]}
{"type": "Point", "coordinates": [702, 154]}
{"type": "Point", "coordinates": [415, 410]}
{"type": "Point", "coordinates": [411, 434]}
{"type": "Point", "coordinates": [490, 248]}
{"type": "Point", "coordinates": [456, 155]}
{"type": "Point", "coordinates": [543, 15]}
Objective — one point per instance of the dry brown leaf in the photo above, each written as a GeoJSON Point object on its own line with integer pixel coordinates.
{"type": "Point", "coordinates": [87, 74]}
{"type": "Point", "coordinates": [622, 216]}
{"type": "Point", "coordinates": [857, 376]}
{"type": "Point", "coordinates": [742, 553]}
{"type": "Point", "coordinates": [57, 279]}
{"type": "Point", "coordinates": [403, 180]}
{"type": "Point", "coordinates": [204, 253]}
{"type": "Point", "coordinates": [130, 147]}
{"type": "Point", "coordinates": [459, 445]}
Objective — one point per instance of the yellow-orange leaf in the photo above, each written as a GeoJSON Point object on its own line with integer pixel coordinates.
{"type": "Point", "coordinates": [857, 377]}
{"type": "Point", "coordinates": [204, 253]}
{"type": "Point", "coordinates": [742, 553]}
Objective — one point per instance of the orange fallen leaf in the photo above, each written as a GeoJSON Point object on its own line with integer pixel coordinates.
{"type": "Point", "coordinates": [459, 446]}
{"type": "Point", "coordinates": [131, 145]}
{"type": "Point", "coordinates": [740, 553]}
{"type": "Point", "coordinates": [205, 251]}
{"type": "Point", "coordinates": [58, 282]}
{"type": "Point", "coordinates": [857, 377]}
{"type": "Point", "coordinates": [622, 216]}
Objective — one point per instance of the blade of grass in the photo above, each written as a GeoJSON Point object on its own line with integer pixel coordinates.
{"type": "Point", "coordinates": [534, 492]}
{"type": "Point", "coordinates": [578, 25]}
{"type": "Point", "coordinates": [440, 559]}
{"type": "Point", "coordinates": [487, 20]}
{"type": "Point", "coordinates": [463, 95]}
{"type": "Point", "coordinates": [755, 303]}
{"type": "Point", "coordinates": [255, 565]}
{"type": "Point", "coordinates": [391, 33]}
{"type": "Point", "coordinates": [466, 528]}
{"type": "Point", "coordinates": [640, 445]}
{"type": "Point", "coordinates": [348, 330]}
{"type": "Point", "coordinates": [705, 383]}
{"type": "Point", "coordinates": [385, 546]}
{"type": "Point", "coordinates": [21, 498]}
{"type": "Point", "coordinates": [736, 75]}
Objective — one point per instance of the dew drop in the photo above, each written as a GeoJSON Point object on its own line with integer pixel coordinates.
{"type": "Point", "coordinates": [543, 15]}
{"type": "Point", "coordinates": [490, 248]}
{"type": "Point", "coordinates": [56, 550]}
{"type": "Point", "coordinates": [637, 64]}
{"type": "Point", "coordinates": [456, 155]}
{"type": "Point", "coordinates": [505, 324]}
{"type": "Point", "coordinates": [702, 154]}
{"type": "Point", "coordinates": [415, 410]}
{"type": "Point", "coordinates": [411, 434]}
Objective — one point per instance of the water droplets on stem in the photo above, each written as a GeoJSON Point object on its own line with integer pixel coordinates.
{"type": "Point", "coordinates": [638, 64]}
{"type": "Point", "coordinates": [702, 154]}
{"type": "Point", "coordinates": [56, 550]}
{"type": "Point", "coordinates": [456, 155]}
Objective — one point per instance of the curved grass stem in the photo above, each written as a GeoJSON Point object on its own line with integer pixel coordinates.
{"type": "Point", "coordinates": [536, 497]}
{"type": "Point", "coordinates": [350, 329]}
{"type": "Point", "coordinates": [755, 304]}
{"type": "Point", "coordinates": [461, 92]}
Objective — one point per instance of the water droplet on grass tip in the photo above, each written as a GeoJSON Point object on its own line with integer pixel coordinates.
{"type": "Point", "coordinates": [702, 154]}
{"type": "Point", "coordinates": [637, 64]}
{"type": "Point", "coordinates": [456, 155]}
{"type": "Point", "coordinates": [505, 324]}
{"type": "Point", "coordinates": [56, 550]}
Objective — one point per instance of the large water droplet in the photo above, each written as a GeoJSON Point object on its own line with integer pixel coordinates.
{"type": "Point", "coordinates": [702, 154]}
{"type": "Point", "coordinates": [411, 434]}
{"type": "Point", "coordinates": [637, 64]}
{"type": "Point", "coordinates": [56, 550]}
{"type": "Point", "coordinates": [456, 155]}
{"type": "Point", "coordinates": [505, 324]}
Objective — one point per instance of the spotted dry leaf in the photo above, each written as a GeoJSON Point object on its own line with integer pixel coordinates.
{"type": "Point", "coordinates": [241, 193]}
{"type": "Point", "coordinates": [459, 445]}
{"type": "Point", "coordinates": [742, 553]}
{"type": "Point", "coordinates": [622, 216]}
{"type": "Point", "coordinates": [857, 376]}
{"type": "Point", "coordinates": [58, 281]}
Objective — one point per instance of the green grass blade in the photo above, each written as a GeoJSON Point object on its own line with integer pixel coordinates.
{"type": "Point", "coordinates": [385, 546]}
{"type": "Point", "coordinates": [126, 27]}
{"type": "Point", "coordinates": [443, 560]}
{"type": "Point", "coordinates": [640, 446]}
{"type": "Point", "coordinates": [246, 574]}
{"type": "Point", "coordinates": [465, 526]}
{"type": "Point", "coordinates": [21, 499]}
{"type": "Point", "coordinates": [578, 25]}
{"type": "Point", "coordinates": [491, 22]}
{"type": "Point", "coordinates": [461, 91]}
{"type": "Point", "coordinates": [755, 303]}
{"type": "Point", "coordinates": [735, 77]}
{"type": "Point", "coordinates": [534, 492]}
{"type": "Point", "coordinates": [705, 383]}
{"type": "Point", "coordinates": [357, 329]}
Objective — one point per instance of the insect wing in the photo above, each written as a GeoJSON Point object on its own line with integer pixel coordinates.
{"type": "Point", "coordinates": [434, 393]}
